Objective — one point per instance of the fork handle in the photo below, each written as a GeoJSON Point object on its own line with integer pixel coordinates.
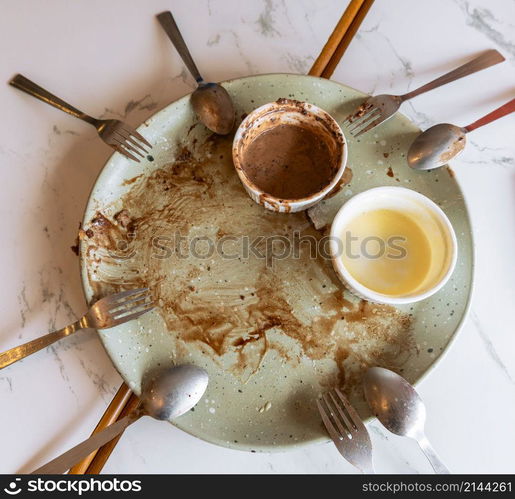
{"type": "Point", "coordinates": [24, 84]}
{"type": "Point", "coordinates": [172, 30]}
{"type": "Point", "coordinates": [20, 352]}
{"type": "Point", "coordinates": [485, 60]}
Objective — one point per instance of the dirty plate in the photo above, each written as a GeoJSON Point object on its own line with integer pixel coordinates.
{"type": "Point", "coordinates": [250, 294]}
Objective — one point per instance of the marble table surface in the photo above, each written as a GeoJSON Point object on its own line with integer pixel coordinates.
{"type": "Point", "coordinates": [112, 59]}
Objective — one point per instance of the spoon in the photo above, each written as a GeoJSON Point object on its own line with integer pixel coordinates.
{"type": "Point", "coordinates": [210, 101]}
{"type": "Point", "coordinates": [400, 409]}
{"type": "Point", "coordinates": [165, 394]}
{"type": "Point", "coordinates": [439, 144]}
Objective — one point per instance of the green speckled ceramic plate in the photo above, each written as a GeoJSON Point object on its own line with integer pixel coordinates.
{"type": "Point", "coordinates": [272, 332]}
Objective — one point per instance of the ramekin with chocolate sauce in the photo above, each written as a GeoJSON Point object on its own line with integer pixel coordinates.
{"type": "Point", "coordinates": [289, 155]}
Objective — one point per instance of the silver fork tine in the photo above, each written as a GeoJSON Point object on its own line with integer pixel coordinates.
{"type": "Point", "coordinates": [126, 153]}
{"type": "Point", "coordinates": [135, 309]}
{"type": "Point", "coordinates": [327, 423]}
{"type": "Point", "coordinates": [125, 143]}
{"type": "Point", "coordinates": [352, 118]}
{"type": "Point", "coordinates": [134, 142]}
{"type": "Point", "coordinates": [370, 126]}
{"type": "Point", "coordinates": [131, 132]}
{"type": "Point", "coordinates": [132, 307]}
{"type": "Point", "coordinates": [120, 296]}
{"type": "Point", "coordinates": [365, 119]}
{"type": "Point", "coordinates": [133, 301]}
{"type": "Point", "coordinates": [333, 412]}
{"type": "Point", "coordinates": [135, 315]}
{"type": "Point", "coordinates": [350, 426]}
{"type": "Point", "coordinates": [352, 412]}
{"type": "Point", "coordinates": [126, 135]}
{"type": "Point", "coordinates": [141, 138]}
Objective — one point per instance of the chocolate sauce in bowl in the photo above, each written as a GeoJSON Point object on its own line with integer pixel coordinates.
{"type": "Point", "coordinates": [289, 162]}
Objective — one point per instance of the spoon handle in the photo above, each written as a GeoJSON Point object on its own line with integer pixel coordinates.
{"type": "Point", "coordinates": [432, 456]}
{"type": "Point", "coordinates": [65, 461]}
{"type": "Point", "coordinates": [489, 58]}
{"type": "Point", "coordinates": [505, 109]}
{"type": "Point", "coordinates": [170, 26]}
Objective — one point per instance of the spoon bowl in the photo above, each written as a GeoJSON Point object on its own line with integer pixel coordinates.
{"type": "Point", "coordinates": [170, 392]}
{"type": "Point", "coordinates": [399, 409]}
{"type": "Point", "coordinates": [214, 107]}
{"type": "Point", "coordinates": [436, 146]}
{"type": "Point", "coordinates": [394, 402]}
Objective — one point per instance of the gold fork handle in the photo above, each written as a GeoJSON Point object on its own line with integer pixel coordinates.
{"type": "Point", "coordinates": [31, 88]}
{"type": "Point", "coordinates": [20, 352]}
{"type": "Point", "coordinates": [485, 60]}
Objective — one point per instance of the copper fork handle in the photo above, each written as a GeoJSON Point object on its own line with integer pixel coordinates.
{"type": "Point", "coordinates": [20, 352]}
{"type": "Point", "coordinates": [24, 84]}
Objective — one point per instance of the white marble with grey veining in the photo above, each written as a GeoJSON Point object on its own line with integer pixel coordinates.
{"type": "Point", "coordinates": [110, 58]}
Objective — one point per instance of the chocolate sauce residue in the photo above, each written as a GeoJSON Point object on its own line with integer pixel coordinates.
{"type": "Point", "coordinates": [297, 299]}
{"type": "Point", "coordinates": [289, 162]}
{"type": "Point", "coordinates": [344, 180]}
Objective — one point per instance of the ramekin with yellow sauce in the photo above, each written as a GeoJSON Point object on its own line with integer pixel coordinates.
{"type": "Point", "coordinates": [393, 245]}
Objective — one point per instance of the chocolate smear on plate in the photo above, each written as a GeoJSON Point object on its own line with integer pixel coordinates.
{"type": "Point", "coordinates": [147, 240]}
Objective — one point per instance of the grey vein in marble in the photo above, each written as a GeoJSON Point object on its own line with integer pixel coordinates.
{"type": "Point", "coordinates": [490, 348]}
{"type": "Point", "coordinates": [98, 380]}
{"type": "Point", "coordinates": [183, 76]}
{"type": "Point", "coordinates": [297, 64]}
{"type": "Point", "coordinates": [405, 64]}
{"type": "Point", "coordinates": [24, 305]}
{"type": "Point", "coordinates": [480, 19]}
{"type": "Point", "coordinates": [145, 103]}
{"type": "Point", "coordinates": [252, 69]}
{"type": "Point", "coordinates": [9, 382]}
{"type": "Point", "coordinates": [213, 40]}
{"type": "Point", "coordinates": [58, 131]}
{"type": "Point", "coordinates": [265, 20]}
{"type": "Point", "coordinates": [421, 119]}
{"type": "Point", "coordinates": [498, 158]}
{"type": "Point", "coordinates": [62, 370]}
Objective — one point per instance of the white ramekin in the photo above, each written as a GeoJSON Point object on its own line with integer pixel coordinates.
{"type": "Point", "coordinates": [288, 111]}
{"type": "Point", "coordinates": [433, 221]}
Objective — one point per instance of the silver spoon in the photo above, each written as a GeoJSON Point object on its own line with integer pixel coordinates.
{"type": "Point", "coordinates": [166, 394]}
{"type": "Point", "coordinates": [400, 409]}
{"type": "Point", "coordinates": [210, 101]}
{"type": "Point", "coordinates": [439, 144]}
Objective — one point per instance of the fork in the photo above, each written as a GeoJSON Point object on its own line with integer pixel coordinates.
{"type": "Point", "coordinates": [346, 430]}
{"type": "Point", "coordinates": [108, 312]}
{"type": "Point", "coordinates": [376, 110]}
{"type": "Point", "coordinates": [115, 133]}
